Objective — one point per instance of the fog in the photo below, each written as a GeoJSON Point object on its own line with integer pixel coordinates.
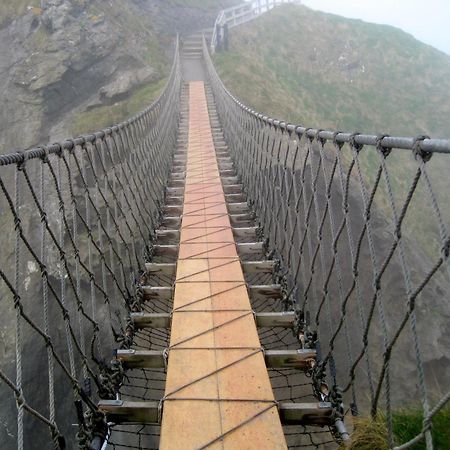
{"type": "Point", "coordinates": [427, 21]}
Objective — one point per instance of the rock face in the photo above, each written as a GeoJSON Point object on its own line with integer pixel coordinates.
{"type": "Point", "coordinates": [55, 60]}
{"type": "Point", "coordinates": [67, 56]}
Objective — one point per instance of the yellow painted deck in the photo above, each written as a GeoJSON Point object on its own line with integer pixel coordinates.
{"type": "Point", "coordinates": [218, 393]}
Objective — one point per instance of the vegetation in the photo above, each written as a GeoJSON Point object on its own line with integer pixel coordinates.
{"type": "Point", "coordinates": [368, 434]}
{"type": "Point", "coordinates": [371, 434]}
{"type": "Point", "coordinates": [329, 72]}
{"type": "Point", "coordinates": [407, 425]}
{"type": "Point", "coordinates": [104, 116]}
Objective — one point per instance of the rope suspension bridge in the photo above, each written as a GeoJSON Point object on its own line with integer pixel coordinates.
{"type": "Point", "coordinates": [204, 276]}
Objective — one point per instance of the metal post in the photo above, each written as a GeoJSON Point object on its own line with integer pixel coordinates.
{"type": "Point", "coordinates": [219, 38]}
{"type": "Point", "coordinates": [225, 37]}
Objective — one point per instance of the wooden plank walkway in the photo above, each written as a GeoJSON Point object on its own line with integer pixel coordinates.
{"type": "Point", "coordinates": [218, 393]}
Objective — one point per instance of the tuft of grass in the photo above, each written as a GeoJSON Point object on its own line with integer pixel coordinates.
{"type": "Point", "coordinates": [368, 434]}
{"type": "Point", "coordinates": [371, 434]}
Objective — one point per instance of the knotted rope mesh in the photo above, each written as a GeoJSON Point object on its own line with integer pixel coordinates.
{"type": "Point", "coordinates": [363, 243]}
{"type": "Point", "coordinates": [78, 220]}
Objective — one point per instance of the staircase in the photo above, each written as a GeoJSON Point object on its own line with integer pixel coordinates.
{"type": "Point", "coordinates": [192, 46]}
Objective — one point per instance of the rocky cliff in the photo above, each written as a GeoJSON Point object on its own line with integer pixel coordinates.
{"type": "Point", "coordinates": [70, 65]}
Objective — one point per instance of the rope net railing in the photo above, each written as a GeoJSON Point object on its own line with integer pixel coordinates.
{"type": "Point", "coordinates": [78, 221]}
{"type": "Point", "coordinates": [361, 237]}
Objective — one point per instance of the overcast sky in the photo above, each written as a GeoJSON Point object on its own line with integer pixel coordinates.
{"type": "Point", "coordinates": [427, 20]}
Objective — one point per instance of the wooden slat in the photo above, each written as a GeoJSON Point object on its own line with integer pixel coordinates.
{"type": "Point", "coordinates": [227, 172]}
{"type": "Point", "coordinates": [251, 248]}
{"type": "Point", "coordinates": [119, 411]}
{"type": "Point", "coordinates": [157, 293]}
{"type": "Point", "coordinates": [275, 359]}
{"type": "Point", "coordinates": [320, 414]}
{"type": "Point", "coordinates": [275, 319]}
{"type": "Point", "coordinates": [122, 412]}
{"type": "Point", "coordinates": [161, 268]}
{"type": "Point", "coordinates": [245, 219]}
{"type": "Point", "coordinates": [175, 191]}
{"type": "Point", "coordinates": [251, 267]}
{"type": "Point", "coordinates": [263, 320]}
{"type": "Point", "coordinates": [173, 210]}
{"type": "Point", "coordinates": [165, 250]}
{"type": "Point", "coordinates": [165, 235]}
{"type": "Point", "coordinates": [237, 207]}
{"type": "Point", "coordinates": [244, 249]}
{"type": "Point", "coordinates": [230, 180]}
{"type": "Point", "coordinates": [151, 320]}
{"type": "Point", "coordinates": [233, 188]}
{"type": "Point", "coordinates": [141, 359]}
{"type": "Point", "coordinates": [290, 359]}
{"type": "Point", "coordinates": [265, 292]}
{"type": "Point", "coordinates": [233, 198]}
{"type": "Point", "coordinates": [171, 221]}
{"type": "Point", "coordinates": [173, 200]}
{"type": "Point", "coordinates": [245, 232]}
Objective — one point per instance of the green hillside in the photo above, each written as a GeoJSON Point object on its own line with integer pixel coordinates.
{"type": "Point", "coordinates": [326, 71]}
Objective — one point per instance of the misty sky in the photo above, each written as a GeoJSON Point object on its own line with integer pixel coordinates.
{"type": "Point", "coordinates": [427, 20]}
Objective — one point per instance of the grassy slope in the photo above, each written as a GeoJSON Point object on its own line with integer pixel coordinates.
{"type": "Point", "coordinates": [326, 71]}
{"type": "Point", "coordinates": [103, 116]}
{"type": "Point", "coordinates": [329, 72]}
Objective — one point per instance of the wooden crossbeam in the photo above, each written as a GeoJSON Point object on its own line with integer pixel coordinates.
{"type": "Point", "coordinates": [265, 291]}
{"type": "Point", "coordinates": [122, 412]}
{"type": "Point", "coordinates": [239, 232]}
{"type": "Point", "coordinates": [245, 232]}
{"type": "Point", "coordinates": [166, 250]}
{"type": "Point", "coordinates": [320, 413]}
{"type": "Point", "coordinates": [244, 249]}
{"type": "Point", "coordinates": [251, 267]}
{"type": "Point", "coordinates": [232, 188]}
{"type": "Point", "coordinates": [275, 359]}
{"type": "Point", "coordinates": [263, 320]}
{"type": "Point", "coordinates": [157, 293]}
{"type": "Point", "coordinates": [237, 207]}
{"type": "Point", "coordinates": [119, 412]}
{"type": "Point", "coordinates": [161, 268]}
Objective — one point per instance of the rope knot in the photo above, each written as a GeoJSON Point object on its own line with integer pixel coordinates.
{"type": "Point", "coordinates": [357, 147]}
{"type": "Point", "coordinates": [24, 158]}
{"type": "Point", "coordinates": [337, 144]}
{"type": "Point", "coordinates": [385, 151]}
{"type": "Point", "coordinates": [418, 152]}
{"type": "Point", "coordinates": [319, 139]}
{"type": "Point", "coordinates": [45, 155]}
